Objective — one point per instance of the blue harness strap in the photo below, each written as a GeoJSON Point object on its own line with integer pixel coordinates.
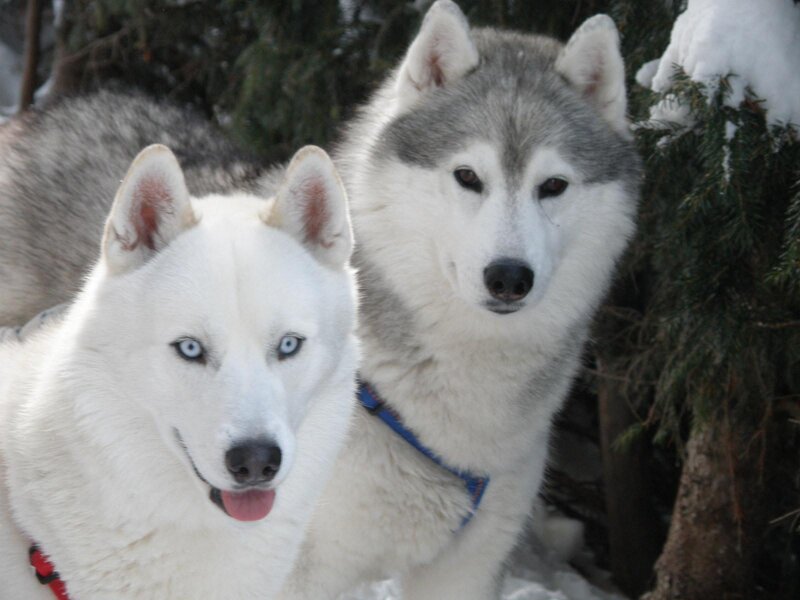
{"type": "Point", "coordinates": [474, 485]}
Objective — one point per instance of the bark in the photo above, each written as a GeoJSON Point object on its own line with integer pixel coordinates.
{"type": "Point", "coordinates": [67, 66]}
{"type": "Point", "coordinates": [717, 518]}
{"type": "Point", "coordinates": [634, 530]}
{"type": "Point", "coordinates": [33, 26]}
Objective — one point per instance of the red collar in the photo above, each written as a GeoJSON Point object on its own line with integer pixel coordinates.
{"type": "Point", "coordinates": [46, 572]}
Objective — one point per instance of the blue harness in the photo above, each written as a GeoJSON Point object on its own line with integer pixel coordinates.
{"type": "Point", "coordinates": [474, 485]}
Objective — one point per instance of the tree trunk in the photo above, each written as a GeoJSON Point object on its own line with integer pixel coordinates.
{"type": "Point", "coordinates": [716, 519]}
{"type": "Point", "coordinates": [33, 26]}
{"type": "Point", "coordinates": [635, 534]}
{"type": "Point", "coordinates": [67, 67]}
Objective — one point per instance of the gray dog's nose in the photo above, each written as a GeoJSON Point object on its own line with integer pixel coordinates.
{"type": "Point", "coordinates": [508, 279]}
{"type": "Point", "coordinates": [253, 462]}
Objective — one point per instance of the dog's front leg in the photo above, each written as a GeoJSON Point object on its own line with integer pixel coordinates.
{"type": "Point", "coordinates": [473, 565]}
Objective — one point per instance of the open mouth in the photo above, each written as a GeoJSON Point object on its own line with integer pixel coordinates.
{"type": "Point", "coordinates": [248, 505]}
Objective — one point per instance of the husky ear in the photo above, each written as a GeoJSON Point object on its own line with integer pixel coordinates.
{"type": "Point", "coordinates": [591, 61]}
{"type": "Point", "coordinates": [442, 52]}
{"type": "Point", "coordinates": [311, 205]}
{"type": "Point", "coordinates": [150, 209]}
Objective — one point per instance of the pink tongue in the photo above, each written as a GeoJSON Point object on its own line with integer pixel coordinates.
{"type": "Point", "coordinates": [251, 505]}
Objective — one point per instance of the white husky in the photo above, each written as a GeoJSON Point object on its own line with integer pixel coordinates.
{"type": "Point", "coordinates": [493, 185]}
{"type": "Point", "coordinates": [169, 435]}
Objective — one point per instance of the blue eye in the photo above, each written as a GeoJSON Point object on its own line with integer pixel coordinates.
{"type": "Point", "coordinates": [289, 345]}
{"type": "Point", "coordinates": [190, 349]}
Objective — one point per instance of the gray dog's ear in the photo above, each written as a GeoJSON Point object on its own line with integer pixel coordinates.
{"type": "Point", "coordinates": [591, 61]}
{"type": "Point", "coordinates": [442, 52]}
{"type": "Point", "coordinates": [150, 209]}
{"type": "Point", "coordinates": [311, 205]}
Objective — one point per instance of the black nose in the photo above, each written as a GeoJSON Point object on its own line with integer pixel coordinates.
{"type": "Point", "coordinates": [508, 280]}
{"type": "Point", "coordinates": [253, 462]}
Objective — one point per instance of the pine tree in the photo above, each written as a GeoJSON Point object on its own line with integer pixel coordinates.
{"type": "Point", "coordinates": [718, 341]}
{"type": "Point", "coordinates": [276, 75]}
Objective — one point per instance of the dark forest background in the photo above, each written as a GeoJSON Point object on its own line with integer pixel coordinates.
{"type": "Point", "coordinates": [691, 389]}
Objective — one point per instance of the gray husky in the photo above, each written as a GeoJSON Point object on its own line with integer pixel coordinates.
{"type": "Point", "coordinates": [493, 186]}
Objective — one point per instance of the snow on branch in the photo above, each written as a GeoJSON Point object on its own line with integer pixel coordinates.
{"type": "Point", "coordinates": [756, 45]}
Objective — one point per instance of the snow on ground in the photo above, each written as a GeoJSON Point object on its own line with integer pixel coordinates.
{"type": "Point", "coordinates": [758, 41]}
{"type": "Point", "coordinates": [572, 587]}
{"type": "Point", "coordinates": [557, 585]}
{"type": "Point", "coordinates": [565, 584]}
{"type": "Point", "coordinates": [540, 575]}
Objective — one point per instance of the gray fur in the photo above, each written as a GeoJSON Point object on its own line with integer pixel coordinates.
{"type": "Point", "coordinates": [59, 172]}
{"type": "Point", "coordinates": [516, 99]}
{"type": "Point", "coordinates": [479, 390]}
{"type": "Point", "coordinates": [383, 314]}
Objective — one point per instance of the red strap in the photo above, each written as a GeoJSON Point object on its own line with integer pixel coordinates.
{"type": "Point", "coordinates": [46, 573]}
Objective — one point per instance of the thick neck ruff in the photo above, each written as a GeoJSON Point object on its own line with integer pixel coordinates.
{"type": "Point", "coordinates": [474, 485]}
{"type": "Point", "coordinates": [46, 572]}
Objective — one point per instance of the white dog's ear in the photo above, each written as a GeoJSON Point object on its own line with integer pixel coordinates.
{"type": "Point", "coordinates": [591, 61]}
{"type": "Point", "coordinates": [442, 52]}
{"type": "Point", "coordinates": [150, 209]}
{"type": "Point", "coordinates": [311, 205]}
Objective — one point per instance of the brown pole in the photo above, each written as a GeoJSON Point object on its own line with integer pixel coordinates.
{"type": "Point", "coordinates": [33, 25]}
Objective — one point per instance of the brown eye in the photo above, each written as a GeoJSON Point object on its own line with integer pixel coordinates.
{"type": "Point", "coordinates": [552, 187]}
{"type": "Point", "coordinates": [467, 178]}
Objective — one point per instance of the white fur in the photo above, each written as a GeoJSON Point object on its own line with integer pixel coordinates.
{"type": "Point", "coordinates": [442, 51]}
{"type": "Point", "coordinates": [591, 60]}
{"type": "Point", "coordinates": [154, 184]}
{"type": "Point", "coordinates": [89, 465]}
{"type": "Point", "coordinates": [310, 185]}
{"type": "Point", "coordinates": [477, 387]}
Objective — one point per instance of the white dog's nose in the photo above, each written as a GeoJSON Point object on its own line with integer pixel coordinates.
{"type": "Point", "coordinates": [254, 461]}
{"type": "Point", "coordinates": [508, 279]}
